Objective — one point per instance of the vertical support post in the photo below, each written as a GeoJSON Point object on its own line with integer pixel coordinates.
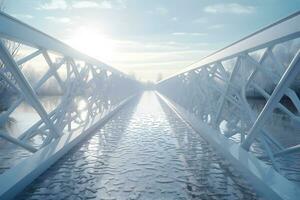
{"type": "Point", "coordinates": [69, 116]}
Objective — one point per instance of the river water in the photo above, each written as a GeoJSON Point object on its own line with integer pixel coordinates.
{"type": "Point", "coordinates": [23, 117]}
{"type": "Point", "coordinates": [145, 152]}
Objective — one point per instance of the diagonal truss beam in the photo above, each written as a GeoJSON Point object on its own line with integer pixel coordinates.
{"type": "Point", "coordinates": [26, 89]}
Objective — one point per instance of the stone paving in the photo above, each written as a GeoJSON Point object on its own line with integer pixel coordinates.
{"type": "Point", "coordinates": [145, 152]}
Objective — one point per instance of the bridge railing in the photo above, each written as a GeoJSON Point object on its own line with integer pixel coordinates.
{"type": "Point", "coordinates": [248, 91]}
{"type": "Point", "coordinates": [34, 66]}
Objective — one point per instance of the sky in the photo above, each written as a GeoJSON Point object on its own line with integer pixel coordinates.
{"type": "Point", "coordinates": [149, 38]}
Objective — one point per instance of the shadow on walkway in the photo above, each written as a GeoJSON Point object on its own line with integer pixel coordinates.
{"type": "Point", "coordinates": [212, 176]}
{"type": "Point", "coordinates": [75, 175]}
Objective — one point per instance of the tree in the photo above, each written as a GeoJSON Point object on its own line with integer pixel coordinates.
{"type": "Point", "coordinates": [159, 77]}
{"type": "Point", "coordinates": [13, 47]}
{"type": "Point", "coordinates": [5, 91]}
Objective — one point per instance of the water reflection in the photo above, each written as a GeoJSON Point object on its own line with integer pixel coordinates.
{"type": "Point", "coordinates": [23, 118]}
{"type": "Point", "coordinates": [75, 175]}
{"type": "Point", "coordinates": [214, 177]}
{"type": "Point", "coordinates": [25, 115]}
{"type": "Point", "coordinates": [138, 155]}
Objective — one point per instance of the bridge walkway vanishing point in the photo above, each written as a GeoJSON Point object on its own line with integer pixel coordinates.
{"type": "Point", "coordinates": [145, 152]}
{"type": "Point", "coordinates": [226, 127]}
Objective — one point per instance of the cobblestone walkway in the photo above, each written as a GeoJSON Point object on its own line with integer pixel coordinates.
{"type": "Point", "coordinates": [146, 152]}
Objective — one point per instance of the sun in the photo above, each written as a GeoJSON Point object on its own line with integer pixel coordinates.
{"type": "Point", "coordinates": [92, 42]}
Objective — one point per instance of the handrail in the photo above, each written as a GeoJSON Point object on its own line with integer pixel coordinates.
{"type": "Point", "coordinates": [85, 94]}
{"type": "Point", "coordinates": [13, 29]}
{"type": "Point", "coordinates": [221, 95]}
{"type": "Point", "coordinates": [283, 30]}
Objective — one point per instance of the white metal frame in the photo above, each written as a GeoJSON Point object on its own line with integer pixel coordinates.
{"type": "Point", "coordinates": [96, 82]}
{"type": "Point", "coordinates": [103, 89]}
{"type": "Point", "coordinates": [217, 88]}
{"type": "Point", "coordinates": [266, 181]}
{"type": "Point", "coordinates": [17, 178]}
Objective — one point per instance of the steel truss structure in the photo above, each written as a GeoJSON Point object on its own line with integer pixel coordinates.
{"type": "Point", "coordinates": [217, 95]}
{"type": "Point", "coordinates": [94, 85]}
{"type": "Point", "coordinates": [222, 91]}
{"type": "Point", "coordinates": [88, 90]}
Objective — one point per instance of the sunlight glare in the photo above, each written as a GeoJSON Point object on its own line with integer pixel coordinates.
{"type": "Point", "coordinates": [81, 105]}
{"type": "Point", "coordinates": [92, 42]}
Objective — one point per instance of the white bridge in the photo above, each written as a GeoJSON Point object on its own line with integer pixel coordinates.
{"type": "Point", "coordinates": [241, 101]}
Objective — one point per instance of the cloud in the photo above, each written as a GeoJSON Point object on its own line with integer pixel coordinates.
{"type": "Point", "coordinates": [159, 11]}
{"type": "Point", "coordinates": [85, 4]}
{"type": "Point", "coordinates": [23, 16]}
{"type": "Point", "coordinates": [216, 26]}
{"type": "Point", "coordinates": [162, 10]}
{"type": "Point", "coordinates": [147, 65]}
{"type": "Point", "coordinates": [112, 4]}
{"type": "Point", "coordinates": [80, 4]}
{"type": "Point", "coordinates": [54, 5]}
{"type": "Point", "coordinates": [189, 34]}
{"type": "Point", "coordinates": [155, 47]}
{"type": "Point", "coordinates": [104, 4]}
{"type": "Point", "coordinates": [233, 8]}
{"type": "Point", "coordinates": [200, 20]}
{"type": "Point", "coordinates": [64, 20]}
{"type": "Point", "coordinates": [149, 54]}
{"type": "Point", "coordinates": [174, 19]}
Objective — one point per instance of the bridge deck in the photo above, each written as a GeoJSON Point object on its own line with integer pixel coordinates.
{"type": "Point", "coordinates": [145, 152]}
